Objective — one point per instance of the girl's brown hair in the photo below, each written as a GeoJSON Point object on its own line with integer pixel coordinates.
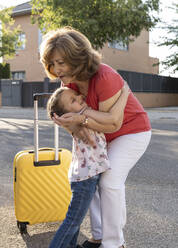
{"type": "Point", "coordinates": [54, 104]}
{"type": "Point", "coordinates": [75, 49]}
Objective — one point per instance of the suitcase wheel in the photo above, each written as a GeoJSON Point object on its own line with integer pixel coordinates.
{"type": "Point", "coordinates": [22, 226]}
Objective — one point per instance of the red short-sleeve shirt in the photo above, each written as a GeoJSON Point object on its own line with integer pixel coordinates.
{"type": "Point", "coordinates": [105, 84]}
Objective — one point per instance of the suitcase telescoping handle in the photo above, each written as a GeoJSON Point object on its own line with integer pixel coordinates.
{"type": "Point", "coordinates": [36, 97]}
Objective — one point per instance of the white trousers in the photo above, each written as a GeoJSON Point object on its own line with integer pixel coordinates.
{"type": "Point", "coordinates": [108, 207]}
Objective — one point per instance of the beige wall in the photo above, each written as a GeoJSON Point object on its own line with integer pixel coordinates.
{"type": "Point", "coordinates": [28, 59]}
{"type": "Point", "coordinates": [149, 100]}
{"type": "Point", "coordinates": [135, 59]}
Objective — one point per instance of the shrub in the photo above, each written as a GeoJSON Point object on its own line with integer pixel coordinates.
{"type": "Point", "coordinates": [4, 71]}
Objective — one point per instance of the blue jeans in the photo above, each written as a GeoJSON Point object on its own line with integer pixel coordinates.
{"type": "Point", "coordinates": [82, 194]}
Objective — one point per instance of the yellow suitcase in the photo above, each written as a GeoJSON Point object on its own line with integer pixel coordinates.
{"type": "Point", "coordinates": [41, 187]}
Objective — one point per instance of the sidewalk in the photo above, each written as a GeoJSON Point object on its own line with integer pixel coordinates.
{"type": "Point", "coordinates": [162, 113]}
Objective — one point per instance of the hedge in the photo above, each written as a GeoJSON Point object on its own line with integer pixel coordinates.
{"type": "Point", "coordinates": [4, 71]}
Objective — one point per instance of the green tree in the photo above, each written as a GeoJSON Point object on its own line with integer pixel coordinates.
{"type": "Point", "coordinates": [99, 20]}
{"type": "Point", "coordinates": [4, 70]}
{"type": "Point", "coordinates": [171, 41]}
{"type": "Point", "coordinates": [8, 34]}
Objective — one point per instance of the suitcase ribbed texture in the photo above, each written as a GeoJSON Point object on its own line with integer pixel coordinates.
{"type": "Point", "coordinates": [42, 194]}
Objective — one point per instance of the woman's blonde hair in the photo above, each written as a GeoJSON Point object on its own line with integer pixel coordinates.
{"type": "Point", "coordinates": [76, 51]}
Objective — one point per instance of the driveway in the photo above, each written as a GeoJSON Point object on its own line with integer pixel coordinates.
{"type": "Point", "coordinates": [151, 188]}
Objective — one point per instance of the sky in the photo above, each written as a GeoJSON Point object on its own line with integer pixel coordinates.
{"type": "Point", "coordinates": [155, 35]}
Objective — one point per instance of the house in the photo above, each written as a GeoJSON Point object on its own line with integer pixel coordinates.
{"type": "Point", "coordinates": [26, 65]}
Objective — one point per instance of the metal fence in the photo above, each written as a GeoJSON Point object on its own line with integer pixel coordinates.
{"type": "Point", "coordinates": [19, 93]}
{"type": "Point", "coordinates": [11, 92]}
{"type": "Point", "coordinates": [29, 88]}
{"type": "Point", "coordinates": [143, 82]}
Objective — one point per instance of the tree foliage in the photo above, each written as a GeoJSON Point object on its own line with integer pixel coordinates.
{"type": "Point", "coordinates": [8, 34]}
{"type": "Point", "coordinates": [100, 20]}
{"type": "Point", "coordinates": [4, 70]}
{"type": "Point", "coordinates": [171, 41]}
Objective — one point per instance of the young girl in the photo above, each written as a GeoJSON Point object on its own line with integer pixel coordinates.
{"type": "Point", "coordinates": [87, 163]}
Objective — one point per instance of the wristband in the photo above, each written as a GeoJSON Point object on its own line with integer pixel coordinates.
{"type": "Point", "coordinates": [85, 121]}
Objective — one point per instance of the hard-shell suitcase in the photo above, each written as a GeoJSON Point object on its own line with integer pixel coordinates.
{"type": "Point", "coordinates": [41, 187]}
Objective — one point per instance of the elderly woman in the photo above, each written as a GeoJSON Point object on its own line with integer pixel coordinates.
{"type": "Point", "coordinates": [68, 55]}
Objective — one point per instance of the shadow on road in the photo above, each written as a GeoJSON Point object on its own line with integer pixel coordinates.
{"type": "Point", "coordinates": [42, 240]}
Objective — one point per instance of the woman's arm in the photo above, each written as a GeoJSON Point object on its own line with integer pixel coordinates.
{"type": "Point", "coordinates": [73, 123]}
{"type": "Point", "coordinates": [100, 127]}
{"type": "Point", "coordinates": [82, 132]}
{"type": "Point", "coordinates": [106, 122]}
{"type": "Point", "coordinates": [115, 112]}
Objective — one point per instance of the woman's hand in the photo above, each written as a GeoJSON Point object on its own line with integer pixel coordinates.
{"type": "Point", "coordinates": [70, 118]}
{"type": "Point", "coordinates": [74, 128]}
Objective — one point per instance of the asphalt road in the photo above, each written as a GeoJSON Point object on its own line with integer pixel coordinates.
{"type": "Point", "coordinates": [151, 188]}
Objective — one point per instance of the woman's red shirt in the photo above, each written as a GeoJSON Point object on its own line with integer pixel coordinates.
{"type": "Point", "coordinates": [103, 85]}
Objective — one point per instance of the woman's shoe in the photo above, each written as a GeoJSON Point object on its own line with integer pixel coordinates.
{"type": "Point", "coordinates": [88, 244]}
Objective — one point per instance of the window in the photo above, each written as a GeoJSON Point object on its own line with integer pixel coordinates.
{"type": "Point", "coordinates": [118, 45]}
{"type": "Point", "coordinates": [17, 75]}
{"type": "Point", "coordinates": [21, 39]}
{"type": "Point", "coordinates": [40, 37]}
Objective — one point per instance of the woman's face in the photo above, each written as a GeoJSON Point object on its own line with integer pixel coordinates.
{"type": "Point", "coordinates": [73, 101]}
{"type": "Point", "coordinates": [59, 68]}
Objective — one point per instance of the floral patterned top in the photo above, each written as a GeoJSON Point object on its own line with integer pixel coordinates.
{"type": "Point", "coordinates": [88, 161]}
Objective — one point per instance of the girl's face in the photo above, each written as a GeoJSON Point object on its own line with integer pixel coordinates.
{"type": "Point", "coordinates": [73, 101]}
{"type": "Point", "coordinates": [59, 68]}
